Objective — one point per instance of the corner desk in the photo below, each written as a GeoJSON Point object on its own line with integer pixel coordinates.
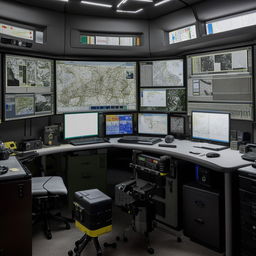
{"type": "Point", "coordinates": [228, 162]}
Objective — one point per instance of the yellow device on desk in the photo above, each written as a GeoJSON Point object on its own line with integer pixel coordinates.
{"type": "Point", "coordinates": [11, 145]}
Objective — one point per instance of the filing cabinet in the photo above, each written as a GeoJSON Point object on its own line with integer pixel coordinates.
{"type": "Point", "coordinates": [203, 217]}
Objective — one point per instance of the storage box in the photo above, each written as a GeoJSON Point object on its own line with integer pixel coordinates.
{"type": "Point", "coordinates": [93, 211]}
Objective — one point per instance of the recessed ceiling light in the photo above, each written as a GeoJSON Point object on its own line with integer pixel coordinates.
{"type": "Point", "coordinates": [97, 4]}
{"type": "Point", "coordinates": [162, 2]}
{"type": "Point", "coordinates": [124, 11]}
{"type": "Point", "coordinates": [121, 2]}
{"type": "Point", "coordinates": [148, 1]}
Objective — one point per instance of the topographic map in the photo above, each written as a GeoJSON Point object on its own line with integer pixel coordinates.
{"type": "Point", "coordinates": [153, 124]}
{"type": "Point", "coordinates": [24, 105]}
{"type": "Point", "coordinates": [89, 85]}
{"type": "Point", "coordinates": [168, 73]}
{"type": "Point", "coordinates": [24, 71]}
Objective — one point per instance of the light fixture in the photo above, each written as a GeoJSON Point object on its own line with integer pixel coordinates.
{"type": "Point", "coordinates": [97, 4]}
{"type": "Point", "coordinates": [64, 0]}
{"type": "Point", "coordinates": [162, 2]}
{"type": "Point", "coordinates": [148, 1]}
{"type": "Point", "coordinates": [124, 11]}
{"type": "Point", "coordinates": [121, 2]}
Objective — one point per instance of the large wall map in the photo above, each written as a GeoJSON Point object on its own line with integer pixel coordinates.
{"type": "Point", "coordinates": [95, 86]}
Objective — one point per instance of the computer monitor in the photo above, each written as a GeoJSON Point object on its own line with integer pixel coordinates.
{"type": "Point", "coordinates": [78, 125]}
{"type": "Point", "coordinates": [211, 126]}
{"type": "Point", "coordinates": [118, 124]}
{"type": "Point", "coordinates": [177, 125]}
{"type": "Point", "coordinates": [153, 123]}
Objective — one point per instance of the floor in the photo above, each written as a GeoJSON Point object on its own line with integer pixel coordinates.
{"type": "Point", "coordinates": [163, 243]}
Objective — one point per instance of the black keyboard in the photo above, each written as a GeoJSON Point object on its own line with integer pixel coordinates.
{"type": "Point", "coordinates": [86, 141]}
{"type": "Point", "coordinates": [139, 140]}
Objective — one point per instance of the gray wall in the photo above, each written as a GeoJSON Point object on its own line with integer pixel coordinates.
{"type": "Point", "coordinates": [76, 24]}
{"type": "Point", "coordinates": [31, 16]}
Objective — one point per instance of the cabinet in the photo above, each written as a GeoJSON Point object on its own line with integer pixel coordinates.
{"type": "Point", "coordinates": [86, 170]}
{"type": "Point", "coordinates": [15, 211]}
{"type": "Point", "coordinates": [247, 201]}
{"type": "Point", "coordinates": [203, 216]}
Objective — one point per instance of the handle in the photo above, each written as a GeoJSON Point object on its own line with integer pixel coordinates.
{"type": "Point", "coordinates": [86, 177]}
{"type": "Point", "coordinates": [199, 221]}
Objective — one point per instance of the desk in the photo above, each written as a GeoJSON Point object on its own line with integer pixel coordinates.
{"type": "Point", "coordinates": [228, 162]}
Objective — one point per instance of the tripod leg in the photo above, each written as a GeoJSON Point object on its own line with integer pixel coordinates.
{"type": "Point", "coordinates": [83, 245]}
{"type": "Point", "coordinates": [78, 242]}
{"type": "Point", "coordinates": [97, 246]}
{"type": "Point", "coordinates": [150, 250]}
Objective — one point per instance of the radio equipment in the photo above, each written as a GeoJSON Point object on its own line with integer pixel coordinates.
{"type": "Point", "coordinates": [51, 135]}
{"type": "Point", "coordinates": [27, 145]}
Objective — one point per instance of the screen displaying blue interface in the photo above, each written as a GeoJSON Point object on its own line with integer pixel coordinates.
{"type": "Point", "coordinates": [119, 124]}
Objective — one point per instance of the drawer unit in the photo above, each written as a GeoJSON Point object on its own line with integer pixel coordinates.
{"type": "Point", "coordinates": [203, 216]}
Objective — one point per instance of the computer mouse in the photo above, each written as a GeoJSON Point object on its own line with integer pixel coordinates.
{"type": "Point", "coordinates": [212, 154]}
{"type": "Point", "coordinates": [169, 138]}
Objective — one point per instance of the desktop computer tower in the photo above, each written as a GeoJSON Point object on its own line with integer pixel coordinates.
{"type": "Point", "coordinates": [203, 216]}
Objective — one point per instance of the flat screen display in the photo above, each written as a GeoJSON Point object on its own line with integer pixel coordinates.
{"type": "Point", "coordinates": [78, 125]}
{"type": "Point", "coordinates": [153, 123]}
{"type": "Point", "coordinates": [119, 124]}
{"type": "Point", "coordinates": [84, 86]}
{"type": "Point", "coordinates": [211, 126]}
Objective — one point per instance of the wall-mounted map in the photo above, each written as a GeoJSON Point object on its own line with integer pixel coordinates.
{"type": "Point", "coordinates": [95, 86]}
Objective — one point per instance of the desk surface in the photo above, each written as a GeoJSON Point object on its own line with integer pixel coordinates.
{"type": "Point", "coordinates": [228, 161]}
{"type": "Point", "coordinates": [15, 172]}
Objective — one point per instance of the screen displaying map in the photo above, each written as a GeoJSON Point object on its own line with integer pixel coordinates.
{"type": "Point", "coordinates": [153, 123]}
{"type": "Point", "coordinates": [164, 73]}
{"type": "Point", "coordinates": [95, 86]}
{"type": "Point", "coordinates": [28, 75]}
{"type": "Point", "coordinates": [29, 86]}
{"type": "Point", "coordinates": [19, 106]}
{"type": "Point", "coordinates": [163, 100]}
{"type": "Point", "coordinates": [229, 61]}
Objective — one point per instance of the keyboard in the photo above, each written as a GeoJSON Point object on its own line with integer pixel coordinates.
{"type": "Point", "coordinates": [139, 140]}
{"type": "Point", "coordinates": [86, 141]}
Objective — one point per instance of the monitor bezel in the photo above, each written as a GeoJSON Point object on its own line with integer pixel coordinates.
{"type": "Point", "coordinates": [208, 140]}
{"type": "Point", "coordinates": [119, 113]}
{"type": "Point", "coordinates": [154, 134]}
{"type": "Point", "coordinates": [79, 137]}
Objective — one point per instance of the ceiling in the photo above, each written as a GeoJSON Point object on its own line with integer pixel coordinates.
{"type": "Point", "coordinates": [76, 7]}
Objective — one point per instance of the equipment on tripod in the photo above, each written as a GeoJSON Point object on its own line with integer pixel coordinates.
{"type": "Point", "coordinates": [140, 196]}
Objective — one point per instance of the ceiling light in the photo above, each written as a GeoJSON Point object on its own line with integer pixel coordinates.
{"type": "Point", "coordinates": [162, 2]}
{"type": "Point", "coordinates": [121, 2]}
{"type": "Point", "coordinates": [64, 0]}
{"type": "Point", "coordinates": [124, 11]}
{"type": "Point", "coordinates": [97, 4]}
{"type": "Point", "coordinates": [148, 1]}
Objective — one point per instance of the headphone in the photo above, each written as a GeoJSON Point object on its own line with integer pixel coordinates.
{"type": "Point", "coordinates": [3, 169]}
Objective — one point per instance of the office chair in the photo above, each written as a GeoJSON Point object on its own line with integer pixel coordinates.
{"type": "Point", "coordinates": [45, 193]}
